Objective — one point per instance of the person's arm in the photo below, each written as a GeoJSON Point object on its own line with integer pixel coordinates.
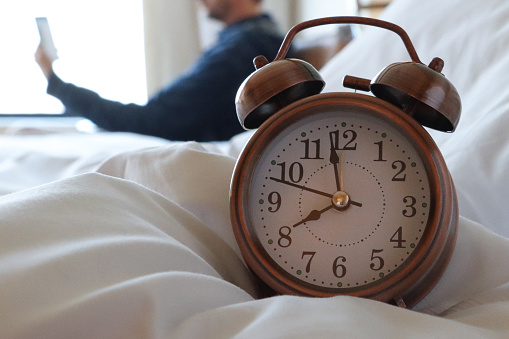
{"type": "Point", "coordinates": [79, 101]}
{"type": "Point", "coordinates": [199, 106]}
{"type": "Point", "coordinates": [107, 114]}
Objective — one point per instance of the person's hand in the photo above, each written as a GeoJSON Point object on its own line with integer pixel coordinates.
{"type": "Point", "coordinates": [44, 61]}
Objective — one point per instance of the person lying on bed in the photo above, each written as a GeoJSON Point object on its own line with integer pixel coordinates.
{"type": "Point", "coordinates": [200, 105]}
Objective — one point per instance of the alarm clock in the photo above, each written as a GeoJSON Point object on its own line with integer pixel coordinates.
{"type": "Point", "coordinates": [345, 193]}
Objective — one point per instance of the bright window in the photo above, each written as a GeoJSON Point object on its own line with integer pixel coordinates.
{"type": "Point", "coordinates": [100, 47]}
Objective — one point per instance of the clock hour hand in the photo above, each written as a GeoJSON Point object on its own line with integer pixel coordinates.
{"type": "Point", "coordinates": [313, 215]}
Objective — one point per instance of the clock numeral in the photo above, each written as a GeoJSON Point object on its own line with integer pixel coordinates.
{"type": "Point", "coordinates": [380, 151]}
{"type": "Point", "coordinates": [377, 262]}
{"type": "Point", "coordinates": [307, 150]}
{"type": "Point", "coordinates": [349, 135]}
{"type": "Point", "coordinates": [411, 211]}
{"type": "Point", "coordinates": [295, 171]}
{"type": "Point", "coordinates": [400, 166]}
{"type": "Point", "coordinates": [284, 237]}
{"type": "Point", "coordinates": [352, 135]}
{"type": "Point", "coordinates": [311, 256]}
{"type": "Point", "coordinates": [274, 199]}
{"type": "Point", "coordinates": [398, 238]}
{"type": "Point", "coordinates": [339, 269]}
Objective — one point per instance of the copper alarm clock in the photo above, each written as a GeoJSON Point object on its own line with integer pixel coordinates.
{"type": "Point", "coordinates": [345, 193]}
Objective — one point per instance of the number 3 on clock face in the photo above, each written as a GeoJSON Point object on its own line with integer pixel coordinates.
{"type": "Point", "coordinates": [337, 198]}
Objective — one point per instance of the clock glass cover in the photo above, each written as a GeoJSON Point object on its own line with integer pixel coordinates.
{"type": "Point", "coordinates": [340, 200]}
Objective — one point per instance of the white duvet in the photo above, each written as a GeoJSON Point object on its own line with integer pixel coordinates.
{"type": "Point", "coordinates": [122, 236]}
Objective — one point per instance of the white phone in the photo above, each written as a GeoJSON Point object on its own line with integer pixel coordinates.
{"type": "Point", "coordinates": [46, 38]}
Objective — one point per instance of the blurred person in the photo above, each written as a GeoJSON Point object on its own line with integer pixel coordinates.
{"type": "Point", "coordinates": [200, 104]}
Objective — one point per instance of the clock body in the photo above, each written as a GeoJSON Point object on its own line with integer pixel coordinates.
{"type": "Point", "coordinates": [344, 194]}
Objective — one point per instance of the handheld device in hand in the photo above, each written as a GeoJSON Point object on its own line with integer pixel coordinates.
{"type": "Point", "coordinates": [46, 38]}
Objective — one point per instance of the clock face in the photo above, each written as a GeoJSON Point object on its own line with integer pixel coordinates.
{"type": "Point", "coordinates": [339, 201]}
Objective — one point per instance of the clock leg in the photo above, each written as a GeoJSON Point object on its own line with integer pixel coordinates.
{"type": "Point", "coordinates": [400, 302]}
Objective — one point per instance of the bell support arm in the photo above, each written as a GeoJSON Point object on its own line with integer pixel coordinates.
{"type": "Point", "coordinates": [347, 20]}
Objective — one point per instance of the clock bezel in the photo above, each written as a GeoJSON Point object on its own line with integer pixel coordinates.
{"type": "Point", "coordinates": [420, 272]}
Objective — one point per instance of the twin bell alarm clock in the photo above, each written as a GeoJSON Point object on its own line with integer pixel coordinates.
{"type": "Point", "coordinates": [345, 193]}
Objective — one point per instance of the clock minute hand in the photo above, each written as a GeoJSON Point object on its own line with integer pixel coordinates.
{"type": "Point", "coordinates": [338, 173]}
{"type": "Point", "coordinates": [328, 195]}
{"type": "Point", "coordinates": [302, 187]}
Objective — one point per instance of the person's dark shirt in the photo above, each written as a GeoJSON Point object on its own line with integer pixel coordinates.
{"type": "Point", "coordinates": [200, 105]}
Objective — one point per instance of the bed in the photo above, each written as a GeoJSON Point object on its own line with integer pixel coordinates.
{"type": "Point", "coordinates": [115, 235]}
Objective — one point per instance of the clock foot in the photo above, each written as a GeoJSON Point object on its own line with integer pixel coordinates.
{"type": "Point", "coordinates": [400, 302]}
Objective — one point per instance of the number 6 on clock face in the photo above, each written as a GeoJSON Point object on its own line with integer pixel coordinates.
{"type": "Point", "coordinates": [343, 194]}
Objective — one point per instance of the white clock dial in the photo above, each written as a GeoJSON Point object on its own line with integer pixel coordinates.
{"type": "Point", "coordinates": [339, 200]}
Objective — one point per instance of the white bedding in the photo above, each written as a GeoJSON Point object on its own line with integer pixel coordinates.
{"type": "Point", "coordinates": [113, 235]}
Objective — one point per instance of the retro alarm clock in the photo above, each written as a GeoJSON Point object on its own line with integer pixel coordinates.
{"type": "Point", "coordinates": [345, 193]}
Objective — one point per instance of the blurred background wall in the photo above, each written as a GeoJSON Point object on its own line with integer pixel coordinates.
{"type": "Point", "coordinates": [177, 31]}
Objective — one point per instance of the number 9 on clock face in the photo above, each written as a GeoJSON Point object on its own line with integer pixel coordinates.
{"type": "Point", "coordinates": [335, 196]}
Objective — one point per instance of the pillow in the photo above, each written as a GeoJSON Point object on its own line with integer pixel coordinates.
{"type": "Point", "coordinates": [472, 38]}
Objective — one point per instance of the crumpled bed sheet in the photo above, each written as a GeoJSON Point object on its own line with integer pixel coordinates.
{"type": "Point", "coordinates": [122, 254]}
